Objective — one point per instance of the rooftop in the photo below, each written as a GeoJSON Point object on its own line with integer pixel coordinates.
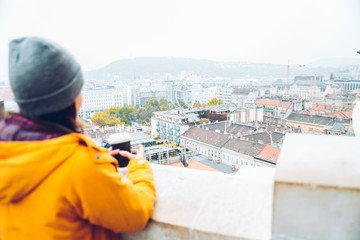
{"type": "Point", "coordinates": [269, 153]}
{"type": "Point", "coordinates": [275, 103]}
{"type": "Point", "coordinates": [264, 137]}
{"type": "Point", "coordinates": [232, 128]}
{"type": "Point", "coordinates": [244, 147]}
{"type": "Point", "coordinates": [206, 136]}
{"type": "Point", "coordinates": [314, 119]}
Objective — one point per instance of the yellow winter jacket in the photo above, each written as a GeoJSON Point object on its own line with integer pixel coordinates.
{"type": "Point", "coordinates": [69, 188]}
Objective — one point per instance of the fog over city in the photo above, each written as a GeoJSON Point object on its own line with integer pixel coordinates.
{"type": "Point", "coordinates": [98, 33]}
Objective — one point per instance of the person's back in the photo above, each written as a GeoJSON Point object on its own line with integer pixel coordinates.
{"type": "Point", "coordinates": [56, 183]}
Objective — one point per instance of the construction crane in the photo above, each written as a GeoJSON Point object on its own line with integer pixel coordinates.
{"type": "Point", "coordinates": [311, 85]}
{"type": "Point", "coordinates": [288, 75]}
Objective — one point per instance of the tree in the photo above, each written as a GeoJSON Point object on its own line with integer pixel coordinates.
{"type": "Point", "coordinates": [114, 111]}
{"type": "Point", "coordinates": [180, 103]}
{"type": "Point", "coordinates": [153, 102]}
{"type": "Point", "coordinates": [111, 121]}
{"type": "Point", "coordinates": [128, 114]}
{"type": "Point", "coordinates": [144, 113]}
{"type": "Point", "coordinates": [204, 120]}
{"type": "Point", "coordinates": [164, 105]}
{"type": "Point", "coordinates": [104, 119]}
{"type": "Point", "coordinates": [163, 101]}
{"type": "Point", "coordinates": [214, 102]}
{"type": "Point", "coordinates": [99, 119]}
{"type": "Point", "coordinates": [197, 105]}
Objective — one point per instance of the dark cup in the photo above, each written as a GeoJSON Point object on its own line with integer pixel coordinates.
{"type": "Point", "coordinates": [121, 141]}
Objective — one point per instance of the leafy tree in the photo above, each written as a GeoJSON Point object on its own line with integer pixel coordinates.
{"type": "Point", "coordinates": [204, 120]}
{"type": "Point", "coordinates": [114, 111]}
{"type": "Point", "coordinates": [111, 121]}
{"type": "Point", "coordinates": [104, 119]}
{"type": "Point", "coordinates": [197, 105]}
{"type": "Point", "coordinates": [152, 102]}
{"type": "Point", "coordinates": [214, 102]}
{"type": "Point", "coordinates": [99, 119]}
{"type": "Point", "coordinates": [144, 114]}
{"type": "Point", "coordinates": [163, 101]}
{"type": "Point", "coordinates": [180, 103]}
{"type": "Point", "coordinates": [152, 105]}
{"type": "Point", "coordinates": [128, 114]}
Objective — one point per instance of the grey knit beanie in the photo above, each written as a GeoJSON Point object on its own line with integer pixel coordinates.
{"type": "Point", "coordinates": [44, 77]}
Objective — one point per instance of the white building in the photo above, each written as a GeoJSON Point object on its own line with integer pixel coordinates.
{"type": "Point", "coordinates": [247, 115]}
{"type": "Point", "coordinates": [205, 142]}
{"type": "Point", "coordinates": [169, 125]}
{"type": "Point", "coordinates": [203, 95]}
{"type": "Point", "coordinates": [308, 90]}
{"type": "Point", "coordinates": [224, 148]}
{"type": "Point", "coordinates": [238, 152]}
{"type": "Point", "coordinates": [99, 100]}
{"type": "Point", "coordinates": [225, 94]}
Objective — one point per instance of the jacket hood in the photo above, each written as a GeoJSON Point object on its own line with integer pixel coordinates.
{"type": "Point", "coordinates": [25, 165]}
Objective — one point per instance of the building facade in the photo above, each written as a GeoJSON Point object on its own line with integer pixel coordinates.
{"type": "Point", "coordinates": [275, 111]}
{"type": "Point", "coordinates": [169, 125]}
{"type": "Point", "coordinates": [224, 148]}
{"type": "Point", "coordinates": [247, 115]}
{"type": "Point", "coordinates": [98, 100]}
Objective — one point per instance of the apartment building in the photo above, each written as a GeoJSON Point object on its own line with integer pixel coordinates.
{"type": "Point", "coordinates": [224, 148]}
{"type": "Point", "coordinates": [169, 125]}
{"type": "Point", "coordinates": [275, 111]}
{"type": "Point", "coordinates": [98, 100]}
{"type": "Point", "coordinates": [245, 115]}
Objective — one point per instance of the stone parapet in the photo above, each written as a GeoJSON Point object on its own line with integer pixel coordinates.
{"type": "Point", "coordinates": [314, 193]}
{"type": "Point", "coordinates": [196, 204]}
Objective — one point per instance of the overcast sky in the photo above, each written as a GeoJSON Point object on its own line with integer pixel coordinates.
{"type": "Point", "coordinates": [272, 31]}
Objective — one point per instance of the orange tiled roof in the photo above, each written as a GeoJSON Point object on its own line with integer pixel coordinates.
{"type": "Point", "coordinates": [194, 165]}
{"type": "Point", "coordinates": [269, 102]}
{"type": "Point", "coordinates": [348, 113]}
{"type": "Point", "coordinates": [322, 107]}
{"type": "Point", "coordinates": [340, 115]}
{"type": "Point", "coordinates": [272, 102]}
{"type": "Point", "coordinates": [285, 106]}
{"type": "Point", "coordinates": [269, 153]}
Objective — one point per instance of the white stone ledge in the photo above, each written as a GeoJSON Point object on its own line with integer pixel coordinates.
{"type": "Point", "coordinates": [317, 188]}
{"type": "Point", "coordinates": [316, 195]}
{"type": "Point", "coordinates": [196, 204]}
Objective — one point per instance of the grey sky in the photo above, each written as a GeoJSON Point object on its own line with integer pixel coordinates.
{"type": "Point", "coordinates": [98, 32]}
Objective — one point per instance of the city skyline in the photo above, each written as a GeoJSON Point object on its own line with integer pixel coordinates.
{"type": "Point", "coordinates": [256, 31]}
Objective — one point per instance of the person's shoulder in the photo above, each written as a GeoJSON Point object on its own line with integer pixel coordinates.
{"type": "Point", "coordinates": [88, 151]}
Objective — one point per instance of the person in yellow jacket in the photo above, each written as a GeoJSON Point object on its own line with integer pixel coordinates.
{"type": "Point", "coordinates": [55, 182]}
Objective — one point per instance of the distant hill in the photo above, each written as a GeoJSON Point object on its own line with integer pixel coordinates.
{"type": "Point", "coordinates": [156, 66]}
{"type": "Point", "coordinates": [336, 62]}
{"type": "Point", "coordinates": [128, 68]}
